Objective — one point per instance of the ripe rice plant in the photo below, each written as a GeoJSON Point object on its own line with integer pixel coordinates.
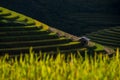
{"type": "Point", "coordinates": [32, 67]}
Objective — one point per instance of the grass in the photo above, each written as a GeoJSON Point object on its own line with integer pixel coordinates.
{"type": "Point", "coordinates": [31, 67]}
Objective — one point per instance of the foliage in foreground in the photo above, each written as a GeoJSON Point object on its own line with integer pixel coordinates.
{"type": "Point", "coordinates": [88, 68]}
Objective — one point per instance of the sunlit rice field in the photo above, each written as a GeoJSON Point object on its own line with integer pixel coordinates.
{"type": "Point", "coordinates": [32, 67]}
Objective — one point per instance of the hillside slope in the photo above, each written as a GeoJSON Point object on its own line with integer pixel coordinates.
{"type": "Point", "coordinates": [109, 37]}
{"type": "Point", "coordinates": [77, 17]}
{"type": "Point", "coordinates": [18, 33]}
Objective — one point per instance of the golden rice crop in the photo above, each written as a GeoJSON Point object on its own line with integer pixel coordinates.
{"type": "Point", "coordinates": [31, 67]}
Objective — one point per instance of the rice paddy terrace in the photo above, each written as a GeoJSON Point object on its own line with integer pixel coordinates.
{"type": "Point", "coordinates": [78, 17]}
{"type": "Point", "coordinates": [109, 37]}
{"type": "Point", "coordinates": [18, 33]}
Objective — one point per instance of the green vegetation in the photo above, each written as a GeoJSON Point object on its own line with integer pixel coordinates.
{"type": "Point", "coordinates": [108, 37]}
{"type": "Point", "coordinates": [18, 33]}
{"type": "Point", "coordinates": [44, 67]}
{"type": "Point", "coordinates": [11, 15]}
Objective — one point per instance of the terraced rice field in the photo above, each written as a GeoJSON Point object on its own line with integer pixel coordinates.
{"type": "Point", "coordinates": [108, 37]}
{"type": "Point", "coordinates": [19, 32]}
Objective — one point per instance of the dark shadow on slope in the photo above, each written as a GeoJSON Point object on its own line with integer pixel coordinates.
{"type": "Point", "coordinates": [77, 17]}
